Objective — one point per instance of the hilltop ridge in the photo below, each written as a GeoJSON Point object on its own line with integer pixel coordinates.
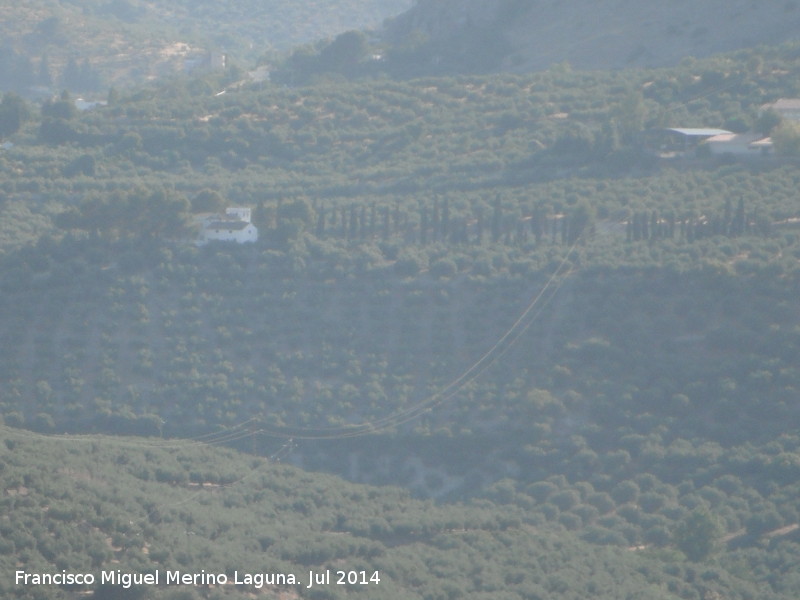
{"type": "Point", "coordinates": [525, 36]}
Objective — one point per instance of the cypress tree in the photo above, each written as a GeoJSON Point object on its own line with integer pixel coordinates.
{"type": "Point", "coordinates": [446, 218]}
{"type": "Point", "coordinates": [423, 225]}
{"type": "Point", "coordinates": [738, 225]}
{"type": "Point", "coordinates": [353, 233]}
{"type": "Point", "coordinates": [497, 221]}
{"type": "Point", "coordinates": [278, 213]}
{"type": "Point", "coordinates": [654, 233]}
{"type": "Point", "coordinates": [435, 222]}
{"type": "Point", "coordinates": [727, 220]}
{"type": "Point", "coordinates": [396, 216]}
{"type": "Point", "coordinates": [636, 227]}
{"type": "Point", "coordinates": [522, 232]}
{"type": "Point", "coordinates": [537, 224]}
{"type": "Point", "coordinates": [386, 224]}
{"type": "Point", "coordinates": [320, 221]}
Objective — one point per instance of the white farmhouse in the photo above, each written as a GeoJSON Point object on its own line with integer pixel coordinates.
{"type": "Point", "coordinates": [233, 226]}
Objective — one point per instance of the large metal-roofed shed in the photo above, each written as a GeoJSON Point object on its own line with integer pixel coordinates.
{"type": "Point", "coordinates": [690, 132]}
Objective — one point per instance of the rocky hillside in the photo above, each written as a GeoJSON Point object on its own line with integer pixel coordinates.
{"type": "Point", "coordinates": [531, 35]}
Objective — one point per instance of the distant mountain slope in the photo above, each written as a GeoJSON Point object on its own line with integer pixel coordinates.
{"type": "Point", "coordinates": [132, 40]}
{"type": "Point", "coordinates": [519, 36]}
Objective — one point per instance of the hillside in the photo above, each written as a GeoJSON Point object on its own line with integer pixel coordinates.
{"type": "Point", "coordinates": [481, 292]}
{"type": "Point", "coordinates": [125, 42]}
{"type": "Point", "coordinates": [88, 505]}
{"type": "Point", "coordinates": [509, 35]}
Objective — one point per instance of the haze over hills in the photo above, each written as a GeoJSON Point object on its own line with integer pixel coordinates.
{"type": "Point", "coordinates": [88, 46]}
{"type": "Point", "coordinates": [479, 289]}
{"type": "Point", "coordinates": [131, 41]}
{"type": "Point", "coordinates": [513, 35]}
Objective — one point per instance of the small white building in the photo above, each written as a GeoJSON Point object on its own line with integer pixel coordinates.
{"type": "Point", "coordinates": [233, 226]}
